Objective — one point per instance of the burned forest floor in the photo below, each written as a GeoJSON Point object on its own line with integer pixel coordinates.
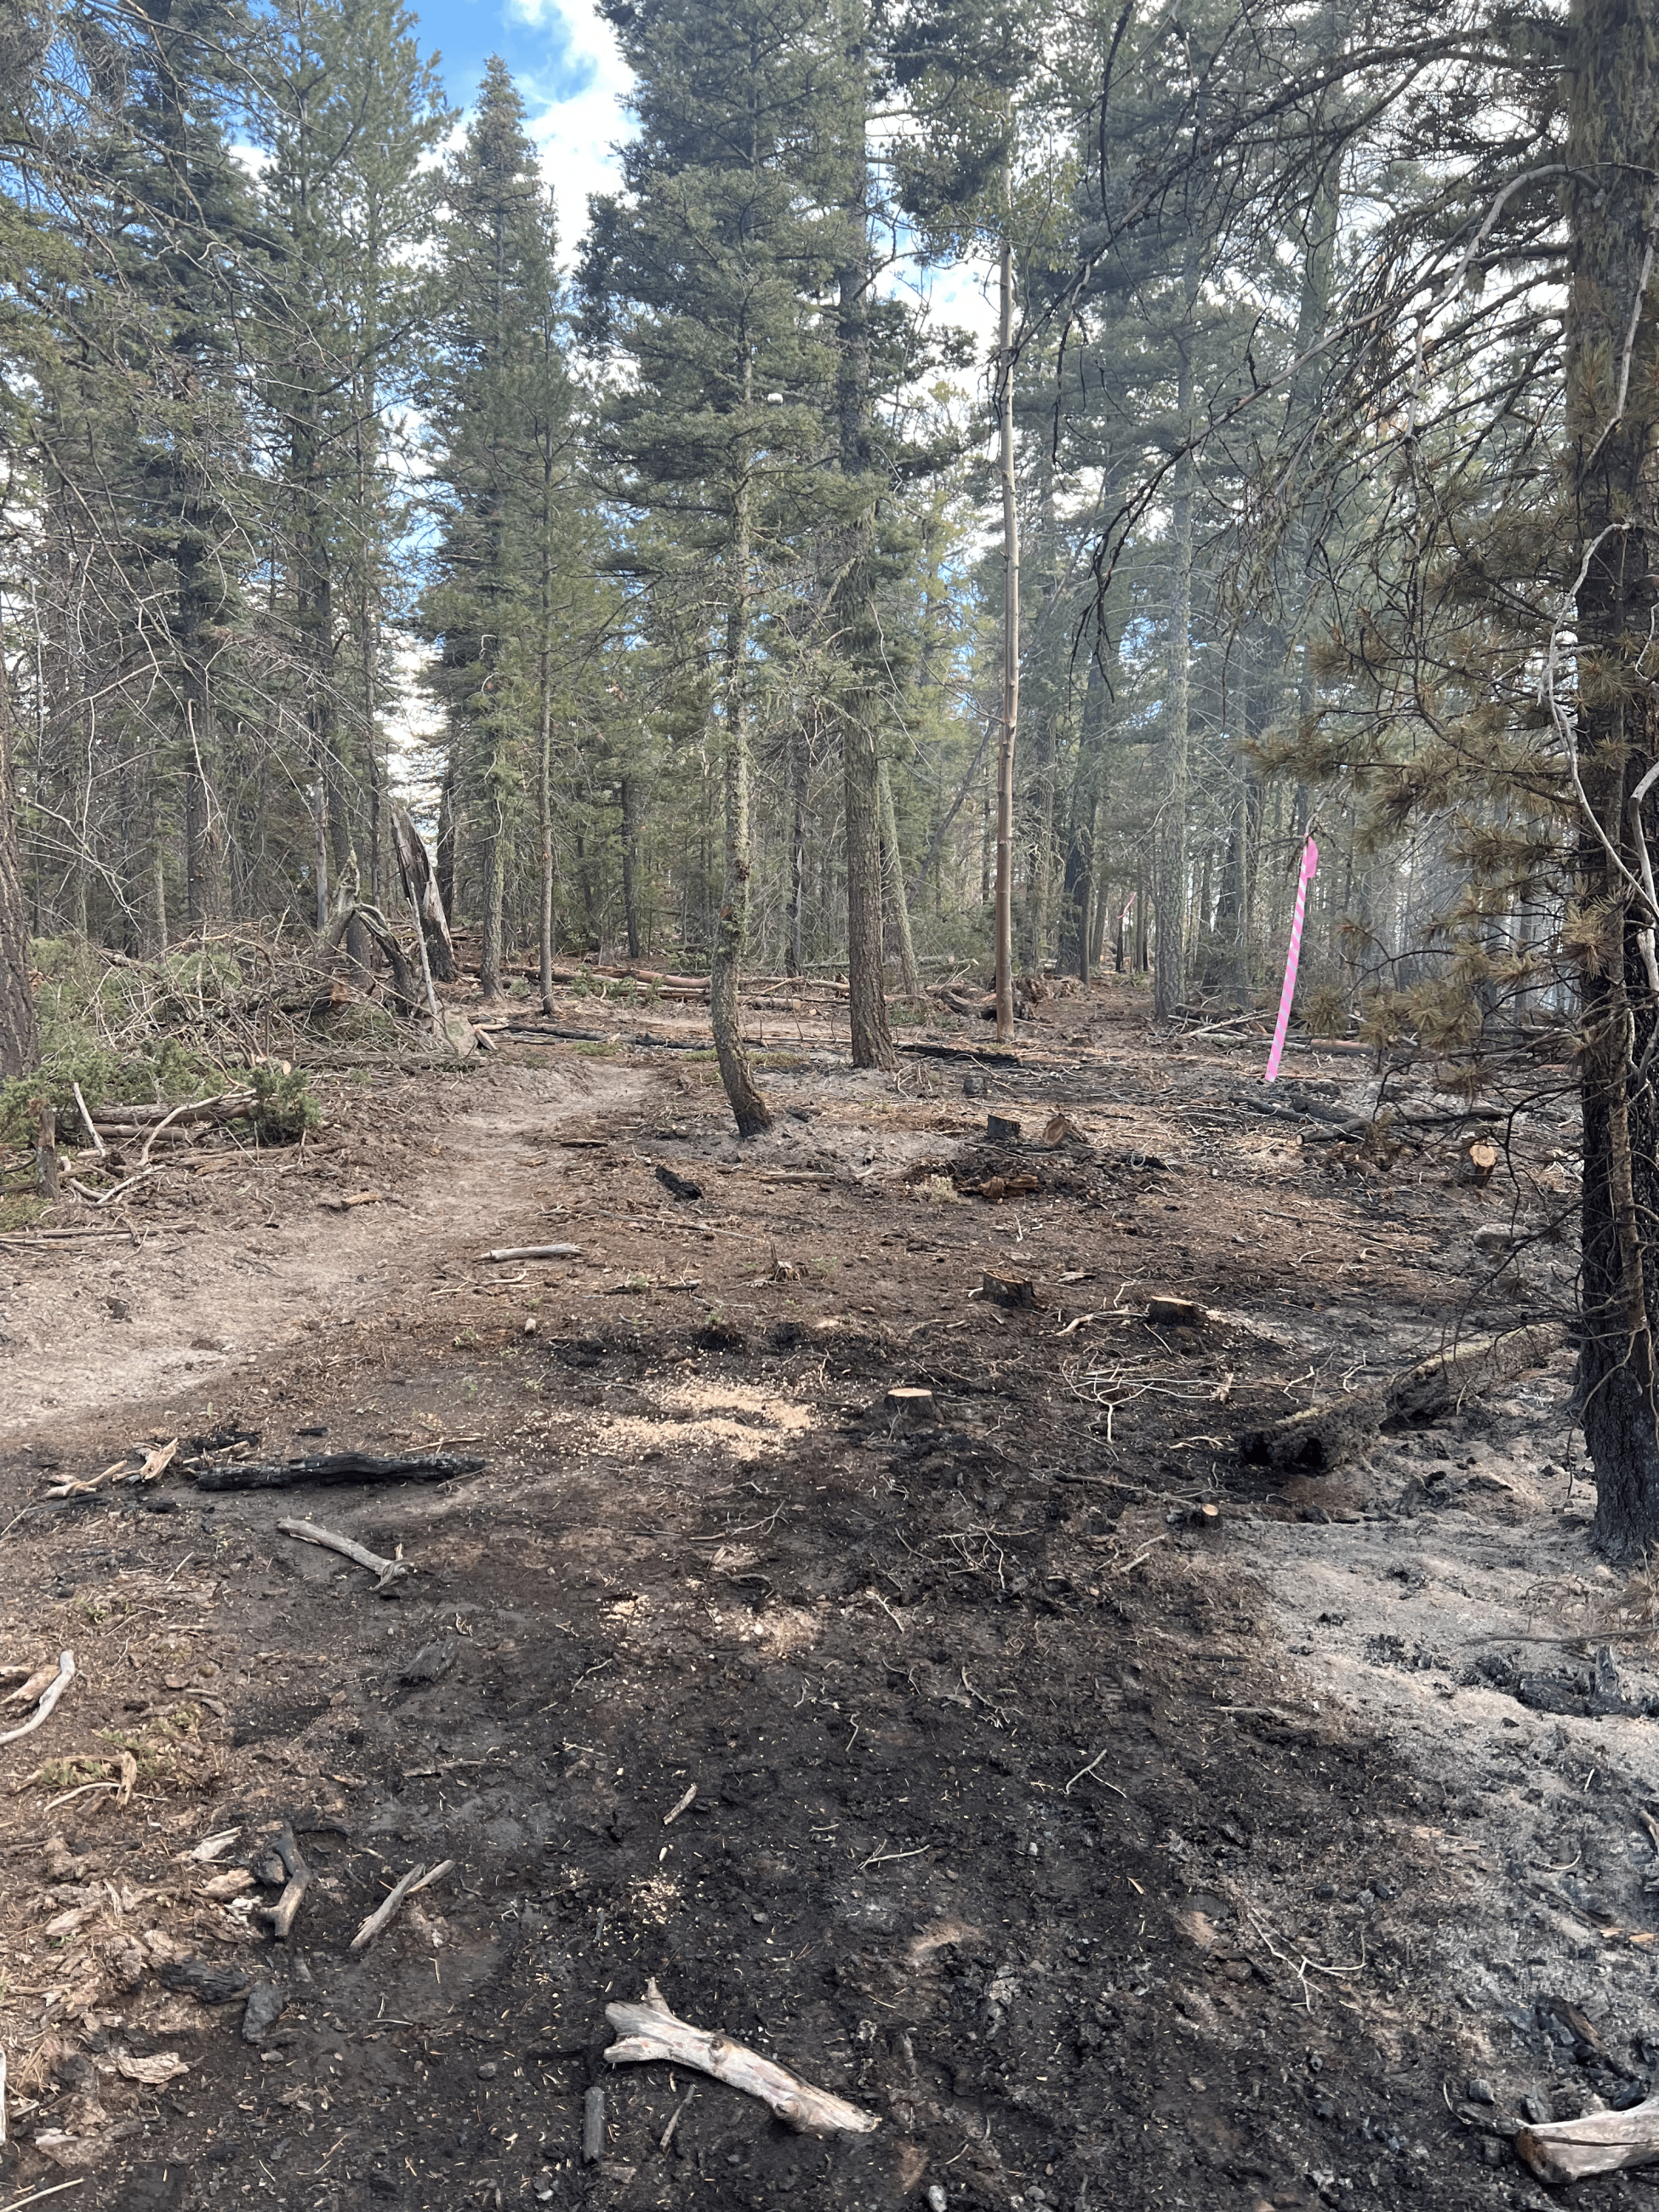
{"type": "Point", "coordinates": [1120, 1822]}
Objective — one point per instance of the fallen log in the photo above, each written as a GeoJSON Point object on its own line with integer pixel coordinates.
{"type": "Point", "coordinates": [980, 1055]}
{"type": "Point", "coordinates": [649, 2030]}
{"type": "Point", "coordinates": [337, 1467]}
{"type": "Point", "coordinates": [126, 1120]}
{"type": "Point", "coordinates": [1321, 1437]}
{"type": "Point", "coordinates": [1559, 2151]}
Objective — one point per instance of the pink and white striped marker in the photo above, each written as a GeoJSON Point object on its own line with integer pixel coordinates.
{"type": "Point", "coordinates": [1310, 869]}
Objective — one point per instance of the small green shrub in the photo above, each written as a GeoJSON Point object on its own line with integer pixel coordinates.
{"type": "Point", "coordinates": [284, 1109]}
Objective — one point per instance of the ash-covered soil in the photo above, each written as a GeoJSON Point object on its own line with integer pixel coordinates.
{"type": "Point", "coordinates": [1111, 1853]}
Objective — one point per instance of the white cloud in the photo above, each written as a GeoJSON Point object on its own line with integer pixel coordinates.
{"type": "Point", "coordinates": [577, 130]}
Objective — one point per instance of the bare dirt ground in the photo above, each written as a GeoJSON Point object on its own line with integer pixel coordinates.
{"type": "Point", "coordinates": [1109, 1856]}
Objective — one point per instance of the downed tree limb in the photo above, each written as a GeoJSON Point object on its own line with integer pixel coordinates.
{"type": "Point", "coordinates": [126, 1120]}
{"type": "Point", "coordinates": [418, 1878]}
{"type": "Point", "coordinates": [1321, 1437]}
{"type": "Point", "coordinates": [1560, 2151]}
{"type": "Point", "coordinates": [532, 1252]}
{"type": "Point", "coordinates": [389, 1571]}
{"type": "Point", "coordinates": [649, 2030]}
{"type": "Point", "coordinates": [337, 1467]}
{"type": "Point", "coordinates": [286, 1854]}
{"type": "Point", "coordinates": [49, 1698]}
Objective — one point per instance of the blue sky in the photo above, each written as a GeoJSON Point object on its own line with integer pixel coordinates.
{"type": "Point", "coordinates": [564, 57]}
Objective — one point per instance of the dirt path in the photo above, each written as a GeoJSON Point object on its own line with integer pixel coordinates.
{"type": "Point", "coordinates": [1109, 1860]}
{"type": "Point", "coordinates": [224, 1269]}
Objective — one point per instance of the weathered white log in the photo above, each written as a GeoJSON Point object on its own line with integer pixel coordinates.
{"type": "Point", "coordinates": [533, 1252]}
{"type": "Point", "coordinates": [309, 1532]}
{"type": "Point", "coordinates": [1601, 2142]}
{"type": "Point", "coordinates": [649, 2030]}
{"type": "Point", "coordinates": [55, 1690]}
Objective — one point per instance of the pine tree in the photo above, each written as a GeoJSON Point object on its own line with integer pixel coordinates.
{"type": "Point", "coordinates": [497, 400]}
{"type": "Point", "coordinates": [346, 110]}
{"type": "Point", "coordinates": [706, 269]}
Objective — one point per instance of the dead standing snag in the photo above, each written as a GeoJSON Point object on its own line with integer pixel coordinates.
{"type": "Point", "coordinates": [649, 2030]}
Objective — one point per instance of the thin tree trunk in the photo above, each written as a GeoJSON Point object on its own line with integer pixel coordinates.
{"type": "Point", "coordinates": [1170, 958]}
{"type": "Point", "coordinates": [1080, 887]}
{"type": "Point", "coordinates": [19, 1035]}
{"type": "Point", "coordinates": [749, 1108]}
{"type": "Point", "coordinates": [1003, 919]}
{"type": "Point", "coordinates": [909, 974]}
{"type": "Point", "coordinates": [494, 891]}
{"type": "Point", "coordinates": [545, 749]}
{"type": "Point", "coordinates": [630, 863]}
{"type": "Point", "coordinates": [800, 763]}
{"type": "Point", "coordinates": [447, 838]}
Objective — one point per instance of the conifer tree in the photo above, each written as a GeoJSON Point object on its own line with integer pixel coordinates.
{"type": "Point", "coordinates": [706, 268]}
{"type": "Point", "coordinates": [497, 394]}
{"type": "Point", "coordinates": [346, 110]}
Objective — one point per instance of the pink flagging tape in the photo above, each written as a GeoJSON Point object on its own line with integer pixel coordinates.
{"type": "Point", "coordinates": [1293, 959]}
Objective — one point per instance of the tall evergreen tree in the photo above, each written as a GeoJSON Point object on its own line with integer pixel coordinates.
{"type": "Point", "coordinates": [708, 269]}
{"type": "Point", "coordinates": [499, 400]}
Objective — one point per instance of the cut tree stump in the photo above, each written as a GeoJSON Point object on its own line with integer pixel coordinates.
{"type": "Point", "coordinates": [1000, 1130]}
{"type": "Point", "coordinates": [906, 1405]}
{"type": "Point", "coordinates": [1175, 1313]}
{"type": "Point", "coordinates": [1014, 1290]}
{"type": "Point", "coordinates": [1323, 1436]}
{"type": "Point", "coordinates": [45, 1148]}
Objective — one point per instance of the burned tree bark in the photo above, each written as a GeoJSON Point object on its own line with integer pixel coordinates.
{"type": "Point", "coordinates": [1610, 736]}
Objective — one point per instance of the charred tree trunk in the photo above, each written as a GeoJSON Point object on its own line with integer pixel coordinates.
{"type": "Point", "coordinates": [1080, 889]}
{"type": "Point", "coordinates": [1612, 473]}
{"type": "Point", "coordinates": [858, 627]}
{"type": "Point", "coordinates": [1003, 916]}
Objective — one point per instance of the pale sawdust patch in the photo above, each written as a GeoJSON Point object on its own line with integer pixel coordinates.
{"type": "Point", "coordinates": [653, 1897]}
{"type": "Point", "coordinates": [710, 1411]}
{"type": "Point", "coordinates": [783, 1629]}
